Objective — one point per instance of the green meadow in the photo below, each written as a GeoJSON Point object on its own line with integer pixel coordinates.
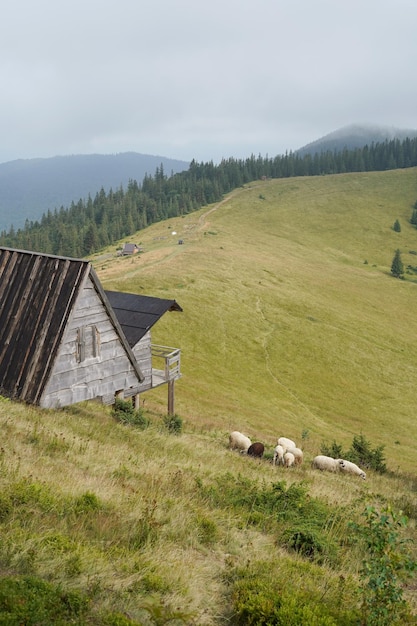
{"type": "Point", "coordinates": [292, 325]}
{"type": "Point", "coordinates": [291, 322]}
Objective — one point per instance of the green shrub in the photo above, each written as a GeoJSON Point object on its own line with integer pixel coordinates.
{"type": "Point", "coordinates": [386, 565]}
{"type": "Point", "coordinates": [88, 501]}
{"type": "Point", "coordinates": [270, 500]}
{"type": "Point", "coordinates": [299, 521]}
{"type": "Point", "coordinates": [308, 543]}
{"type": "Point", "coordinates": [123, 411]}
{"type": "Point", "coordinates": [260, 597]}
{"type": "Point", "coordinates": [32, 601]}
{"type": "Point", "coordinates": [173, 424]}
{"type": "Point", "coordinates": [360, 452]}
{"type": "Point", "coordinates": [335, 450]}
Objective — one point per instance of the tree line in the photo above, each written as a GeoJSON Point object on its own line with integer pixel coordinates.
{"type": "Point", "coordinates": [89, 225]}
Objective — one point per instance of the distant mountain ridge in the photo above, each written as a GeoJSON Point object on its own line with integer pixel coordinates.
{"type": "Point", "coordinates": [31, 187]}
{"type": "Point", "coordinates": [355, 136]}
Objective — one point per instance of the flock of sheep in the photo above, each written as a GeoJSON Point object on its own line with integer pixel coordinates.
{"type": "Point", "coordinates": [287, 453]}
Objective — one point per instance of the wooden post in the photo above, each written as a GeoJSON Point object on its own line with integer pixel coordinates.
{"type": "Point", "coordinates": [136, 401]}
{"type": "Point", "coordinates": [171, 398]}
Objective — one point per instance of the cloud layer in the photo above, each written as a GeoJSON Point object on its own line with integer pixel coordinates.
{"type": "Point", "coordinates": [200, 80]}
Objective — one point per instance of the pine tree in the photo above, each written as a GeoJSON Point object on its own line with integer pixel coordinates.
{"type": "Point", "coordinates": [397, 226]}
{"type": "Point", "coordinates": [397, 267]}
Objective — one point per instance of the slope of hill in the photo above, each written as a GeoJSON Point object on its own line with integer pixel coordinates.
{"type": "Point", "coordinates": [355, 136]}
{"type": "Point", "coordinates": [291, 319]}
{"type": "Point", "coordinates": [292, 325]}
{"type": "Point", "coordinates": [31, 187]}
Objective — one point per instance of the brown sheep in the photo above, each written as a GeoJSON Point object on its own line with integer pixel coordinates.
{"type": "Point", "coordinates": [256, 449]}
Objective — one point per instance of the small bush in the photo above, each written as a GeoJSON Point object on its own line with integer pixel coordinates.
{"type": "Point", "coordinates": [261, 598]}
{"type": "Point", "coordinates": [298, 520]}
{"type": "Point", "coordinates": [123, 411]}
{"type": "Point", "coordinates": [173, 424]}
{"type": "Point", "coordinates": [32, 601]}
{"type": "Point", "coordinates": [88, 501]}
{"type": "Point", "coordinates": [308, 543]}
{"type": "Point", "coordinates": [360, 452]}
{"type": "Point", "coordinates": [387, 564]}
{"type": "Point", "coordinates": [334, 450]}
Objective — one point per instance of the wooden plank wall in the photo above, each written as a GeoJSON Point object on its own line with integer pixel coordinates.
{"type": "Point", "coordinates": [95, 377]}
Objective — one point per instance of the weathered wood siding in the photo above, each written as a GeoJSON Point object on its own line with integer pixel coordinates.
{"type": "Point", "coordinates": [99, 376]}
{"type": "Point", "coordinates": [143, 354]}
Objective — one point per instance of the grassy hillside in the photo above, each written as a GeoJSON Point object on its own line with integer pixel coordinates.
{"type": "Point", "coordinates": [292, 325]}
{"type": "Point", "coordinates": [292, 321]}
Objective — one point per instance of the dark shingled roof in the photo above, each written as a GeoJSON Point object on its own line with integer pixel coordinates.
{"type": "Point", "coordinates": [136, 314]}
{"type": "Point", "coordinates": [37, 293]}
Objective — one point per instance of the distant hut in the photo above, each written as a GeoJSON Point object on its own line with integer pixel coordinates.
{"type": "Point", "coordinates": [130, 249]}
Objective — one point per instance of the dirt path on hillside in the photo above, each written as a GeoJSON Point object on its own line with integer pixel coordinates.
{"type": "Point", "coordinates": [202, 223]}
{"type": "Point", "coordinates": [157, 257]}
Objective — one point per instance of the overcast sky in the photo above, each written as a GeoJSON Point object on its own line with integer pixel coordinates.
{"type": "Point", "coordinates": [200, 79]}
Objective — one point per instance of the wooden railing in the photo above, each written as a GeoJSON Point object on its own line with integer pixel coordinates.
{"type": "Point", "coordinates": [170, 361]}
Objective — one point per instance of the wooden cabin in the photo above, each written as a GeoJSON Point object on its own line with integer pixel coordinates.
{"type": "Point", "coordinates": [130, 248]}
{"type": "Point", "coordinates": [64, 340]}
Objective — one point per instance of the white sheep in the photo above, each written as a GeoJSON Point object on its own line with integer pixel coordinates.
{"type": "Point", "coordinates": [298, 455]}
{"type": "Point", "coordinates": [327, 463]}
{"type": "Point", "coordinates": [238, 441]}
{"type": "Point", "coordinates": [352, 468]}
{"type": "Point", "coordinates": [289, 459]}
{"type": "Point", "coordinates": [286, 443]}
{"type": "Point", "coordinates": [278, 455]}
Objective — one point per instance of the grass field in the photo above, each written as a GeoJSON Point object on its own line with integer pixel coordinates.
{"type": "Point", "coordinates": [292, 321]}
{"type": "Point", "coordinates": [292, 325]}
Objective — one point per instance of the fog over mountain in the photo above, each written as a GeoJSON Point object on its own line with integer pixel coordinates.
{"type": "Point", "coordinates": [355, 136]}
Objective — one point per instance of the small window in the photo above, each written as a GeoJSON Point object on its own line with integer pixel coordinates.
{"type": "Point", "coordinates": [88, 343]}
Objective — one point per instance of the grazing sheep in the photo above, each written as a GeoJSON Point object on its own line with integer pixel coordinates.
{"type": "Point", "coordinates": [256, 449]}
{"type": "Point", "coordinates": [298, 455]}
{"type": "Point", "coordinates": [286, 443]}
{"type": "Point", "coordinates": [327, 463]}
{"type": "Point", "coordinates": [237, 441]}
{"type": "Point", "coordinates": [278, 456]}
{"type": "Point", "coordinates": [352, 468]}
{"type": "Point", "coordinates": [289, 459]}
